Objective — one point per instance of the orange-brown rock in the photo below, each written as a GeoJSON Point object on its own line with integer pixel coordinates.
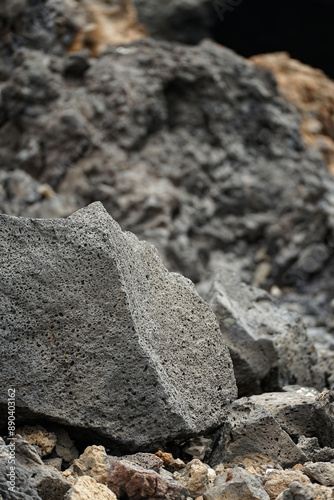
{"type": "Point", "coordinates": [312, 92]}
{"type": "Point", "coordinates": [108, 22]}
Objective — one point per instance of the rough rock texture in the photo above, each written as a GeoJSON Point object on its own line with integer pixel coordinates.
{"type": "Point", "coordinates": [299, 491]}
{"type": "Point", "coordinates": [312, 92]}
{"type": "Point", "coordinates": [293, 410]}
{"type": "Point", "coordinates": [320, 472]}
{"type": "Point", "coordinates": [37, 435]}
{"type": "Point", "coordinates": [67, 25]}
{"type": "Point", "coordinates": [98, 334]}
{"type": "Point", "coordinates": [47, 484]}
{"type": "Point", "coordinates": [323, 415]}
{"type": "Point", "coordinates": [269, 346]}
{"type": "Point", "coordinates": [236, 484]}
{"type": "Point", "coordinates": [23, 490]}
{"type": "Point", "coordinates": [131, 481]}
{"type": "Point", "coordinates": [145, 460]}
{"type": "Point", "coordinates": [276, 481]}
{"type": "Point", "coordinates": [93, 462]}
{"type": "Point", "coordinates": [65, 447]}
{"type": "Point", "coordinates": [194, 477]}
{"type": "Point", "coordinates": [187, 21]}
{"type": "Point", "coordinates": [86, 488]}
{"type": "Point", "coordinates": [249, 430]}
{"type": "Point", "coordinates": [188, 147]}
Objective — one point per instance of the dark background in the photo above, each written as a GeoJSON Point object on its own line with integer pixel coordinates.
{"type": "Point", "coordinates": [304, 28]}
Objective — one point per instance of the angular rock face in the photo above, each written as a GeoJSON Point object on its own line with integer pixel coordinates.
{"type": "Point", "coordinates": [269, 346]}
{"type": "Point", "coordinates": [250, 430]}
{"type": "Point", "coordinates": [188, 147]}
{"type": "Point", "coordinates": [97, 334]}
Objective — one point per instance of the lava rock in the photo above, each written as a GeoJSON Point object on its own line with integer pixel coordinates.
{"type": "Point", "coordinates": [269, 346]}
{"type": "Point", "coordinates": [249, 430]}
{"type": "Point", "coordinates": [19, 488]}
{"type": "Point", "coordinates": [47, 483]}
{"type": "Point", "coordinates": [93, 462]}
{"type": "Point", "coordinates": [138, 483]}
{"type": "Point", "coordinates": [320, 472]}
{"type": "Point", "coordinates": [98, 335]}
{"type": "Point", "coordinates": [292, 409]}
{"type": "Point", "coordinates": [236, 483]}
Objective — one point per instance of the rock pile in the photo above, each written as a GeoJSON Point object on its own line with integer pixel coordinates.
{"type": "Point", "coordinates": [125, 379]}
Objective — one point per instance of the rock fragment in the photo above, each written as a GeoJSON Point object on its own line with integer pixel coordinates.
{"type": "Point", "coordinates": [93, 463]}
{"type": "Point", "coordinates": [138, 483]}
{"type": "Point", "coordinates": [237, 483]}
{"type": "Point", "coordinates": [99, 335]}
{"type": "Point", "coordinates": [249, 430]}
{"type": "Point", "coordinates": [86, 488]}
{"type": "Point", "coordinates": [37, 435]}
{"type": "Point", "coordinates": [320, 472]}
{"type": "Point", "coordinates": [194, 477]}
{"type": "Point", "coordinates": [269, 346]}
{"type": "Point", "coordinates": [276, 481]}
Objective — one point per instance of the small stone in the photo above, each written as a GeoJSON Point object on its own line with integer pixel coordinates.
{"type": "Point", "coordinates": [236, 484]}
{"type": "Point", "coordinates": [277, 481]}
{"type": "Point", "coordinates": [65, 447]}
{"type": "Point", "coordinates": [320, 472]}
{"type": "Point", "coordinates": [170, 463]}
{"type": "Point", "coordinates": [133, 482]}
{"type": "Point", "coordinates": [93, 463]}
{"type": "Point", "coordinates": [303, 491]}
{"type": "Point", "coordinates": [198, 447]}
{"type": "Point", "coordinates": [86, 488]}
{"type": "Point", "coordinates": [194, 477]}
{"type": "Point", "coordinates": [37, 435]}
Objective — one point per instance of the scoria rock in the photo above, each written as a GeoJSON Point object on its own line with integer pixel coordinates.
{"type": "Point", "coordinates": [135, 483]}
{"type": "Point", "coordinates": [249, 430]}
{"type": "Point", "coordinates": [98, 335]}
{"type": "Point", "coordinates": [269, 346]}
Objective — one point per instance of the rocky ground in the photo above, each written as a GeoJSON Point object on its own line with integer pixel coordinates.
{"type": "Point", "coordinates": [129, 382]}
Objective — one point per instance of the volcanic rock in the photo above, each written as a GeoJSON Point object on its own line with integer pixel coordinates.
{"type": "Point", "coordinates": [312, 92]}
{"type": "Point", "coordinates": [320, 472]}
{"type": "Point", "coordinates": [138, 483]}
{"type": "Point", "coordinates": [236, 483]}
{"type": "Point", "coordinates": [269, 346]}
{"type": "Point", "coordinates": [96, 334]}
{"type": "Point", "coordinates": [249, 430]}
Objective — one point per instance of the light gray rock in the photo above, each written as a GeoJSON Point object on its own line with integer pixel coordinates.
{"type": "Point", "coordinates": [250, 430]}
{"type": "Point", "coordinates": [320, 472]}
{"type": "Point", "coordinates": [39, 481]}
{"type": "Point", "coordinates": [98, 335]}
{"type": "Point", "coordinates": [302, 491]}
{"type": "Point", "coordinates": [292, 409]}
{"type": "Point", "coordinates": [241, 484]}
{"type": "Point", "coordinates": [323, 417]}
{"type": "Point", "coordinates": [269, 346]}
{"type": "Point", "coordinates": [21, 488]}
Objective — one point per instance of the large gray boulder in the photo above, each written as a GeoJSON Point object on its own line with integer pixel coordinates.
{"type": "Point", "coordinates": [98, 335]}
{"type": "Point", "coordinates": [269, 346]}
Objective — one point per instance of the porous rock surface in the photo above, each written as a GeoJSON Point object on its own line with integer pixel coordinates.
{"type": "Point", "coordinates": [131, 481]}
{"type": "Point", "coordinates": [97, 334]}
{"type": "Point", "coordinates": [269, 346]}
{"type": "Point", "coordinates": [32, 478]}
{"type": "Point", "coordinates": [250, 430]}
{"type": "Point", "coordinates": [188, 147]}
